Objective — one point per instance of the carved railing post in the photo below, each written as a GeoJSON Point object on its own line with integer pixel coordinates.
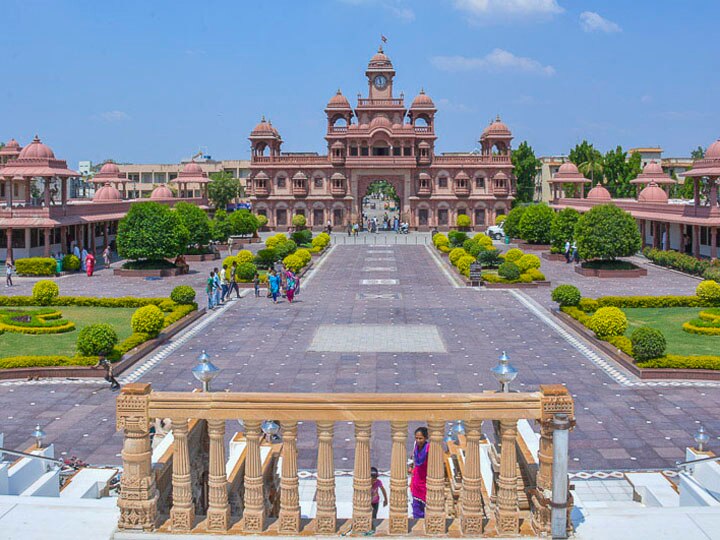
{"type": "Point", "coordinates": [289, 517]}
{"type": "Point", "coordinates": [138, 495]}
{"type": "Point", "coordinates": [254, 513]}
{"type": "Point", "coordinates": [470, 497]}
{"type": "Point", "coordinates": [182, 514]}
{"type": "Point", "coordinates": [507, 513]}
{"type": "Point", "coordinates": [362, 483]}
{"type": "Point", "coordinates": [435, 504]}
{"type": "Point", "coordinates": [218, 515]}
{"type": "Point", "coordinates": [398, 479]}
{"type": "Point", "coordinates": [326, 515]}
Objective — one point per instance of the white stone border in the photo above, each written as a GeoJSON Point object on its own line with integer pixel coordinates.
{"type": "Point", "coordinates": [452, 279]}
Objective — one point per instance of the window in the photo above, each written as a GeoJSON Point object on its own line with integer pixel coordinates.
{"type": "Point", "coordinates": [364, 151]}
{"type": "Point", "coordinates": [353, 150]}
{"type": "Point", "coordinates": [442, 215]}
{"type": "Point", "coordinates": [318, 182]}
{"type": "Point", "coordinates": [338, 217]}
{"type": "Point", "coordinates": [407, 151]}
{"type": "Point", "coordinates": [480, 183]}
{"type": "Point", "coordinates": [318, 217]}
{"type": "Point", "coordinates": [396, 150]}
{"type": "Point", "coordinates": [443, 182]}
{"type": "Point", "coordinates": [300, 212]}
{"type": "Point", "coordinates": [423, 217]}
{"type": "Point", "coordinates": [462, 211]}
{"type": "Point", "coordinates": [281, 216]}
{"type": "Point", "coordinates": [381, 151]}
{"type": "Point", "coordinates": [262, 212]}
{"type": "Point", "coordinates": [281, 182]}
{"type": "Point", "coordinates": [479, 216]}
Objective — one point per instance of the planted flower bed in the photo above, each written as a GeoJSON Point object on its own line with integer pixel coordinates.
{"type": "Point", "coordinates": [610, 269]}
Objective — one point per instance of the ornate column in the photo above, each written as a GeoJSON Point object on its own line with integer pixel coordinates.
{"type": "Point", "coordinates": [138, 495]}
{"type": "Point", "coordinates": [218, 514]}
{"type": "Point", "coordinates": [362, 483]}
{"type": "Point", "coordinates": [254, 513]}
{"type": "Point", "coordinates": [28, 190]}
{"type": "Point", "coordinates": [47, 192]}
{"type": "Point", "coordinates": [182, 514]}
{"type": "Point", "coordinates": [46, 240]}
{"type": "Point", "coordinates": [398, 479]}
{"type": "Point", "coordinates": [289, 518]}
{"type": "Point", "coordinates": [8, 245]}
{"type": "Point", "coordinates": [435, 504]}
{"type": "Point", "coordinates": [471, 498]}
{"type": "Point", "coordinates": [326, 515]}
{"type": "Point", "coordinates": [713, 243]}
{"type": "Point", "coordinates": [507, 513]}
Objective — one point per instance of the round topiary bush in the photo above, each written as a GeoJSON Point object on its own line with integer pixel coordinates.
{"type": "Point", "coordinates": [708, 291]}
{"type": "Point", "coordinates": [183, 294]}
{"type": "Point", "coordinates": [440, 240]}
{"type": "Point", "coordinates": [513, 254]}
{"type": "Point", "coordinates": [275, 240]}
{"type": "Point", "coordinates": [536, 223]}
{"type": "Point", "coordinates": [304, 254]}
{"type": "Point", "coordinates": [509, 270]}
{"type": "Point", "coordinates": [463, 221]}
{"type": "Point", "coordinates": [293, 262]}
{"type": "Point", "coordinates": [608, 321]}
{"type": "Point", "coordinates": [483, 239]}
{"type": "Point", "coordinates": [299, 221]}
{"type": "Point", "coordinates": [607, 232]}
{"type": "Point", "coordinates": [463, 265]}
{"type": "Point", "coordinates": [70, 263]}
{"type": "Point", "coordinates": [261, 220]}
{"type": "Point", "coordinates": [246, 271]}
{"type": "Point", "coordinates": [148, 320]}
{"type": "Point", "coordinates": [97, 340]}
{"type": "Point", "coordinates": [528, 261]}
{"type": "Point", "coordinates": [455, 255]}
{"type": "Point", "coordinates": [45, 291]}
{"type": "Point", "coordinates": [566, 295]}
{"type": "Point", "coordinates": [647, 343]}
{"type": "Point", "coordinates": [244, 255]}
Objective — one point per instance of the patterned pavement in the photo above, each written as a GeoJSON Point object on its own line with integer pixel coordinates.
{"type": "Point", "coordinates": [264, 347]}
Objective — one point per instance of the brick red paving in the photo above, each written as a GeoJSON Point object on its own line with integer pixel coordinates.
{"type": "Point", "coordinates": [263, 347]}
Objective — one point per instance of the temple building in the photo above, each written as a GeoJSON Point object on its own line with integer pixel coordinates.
{"type": "Point", "coordinates": [381, 139]}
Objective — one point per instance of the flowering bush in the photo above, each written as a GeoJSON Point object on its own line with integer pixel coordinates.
{"type": "Point", "coordinates": [148, 320]}
{"type": "Point", "coordinates": [513, 254]}
{"type": "Point", "coordinates": [455, 255]}
{"type": "Point", "coordinates": [45, 291]}
{"type": "Point", "coordinates": [608, 321]}
{"type": "Point", "coordinates": [709, 291]}
{"type": "Point", "coordinates": [528, 261]}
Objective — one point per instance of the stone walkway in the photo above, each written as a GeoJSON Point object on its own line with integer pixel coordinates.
{"type": "Point", "coordinates": [285, 348]}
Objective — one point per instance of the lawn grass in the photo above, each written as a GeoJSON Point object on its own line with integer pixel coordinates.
{"type": "Point", "coordinates": [669, 321]}
{"type": "Point", "coordinates": [12, 344]}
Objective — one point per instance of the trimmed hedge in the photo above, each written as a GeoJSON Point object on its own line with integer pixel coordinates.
{"type": "Point", "coordinates": [684, 263]}
{"type": "Point", "coordinates": [621, 342]}
{"type": "Point", "coordinates": [566, 295]}
{"type": "Point", "coordinates": [676, 361]}
{"type": "Point", "coordinates": [96, 339]}
{"type": "Point", "coordinates": [70, 263]}
{"type": "Point", "coordinates": [183, 294]}
{"type": "Point", "coordinates": [650, 301]}
{"type": "Point", "coordinates": [45, 361]}
{"type": "Point", "coordinates": [36, 266]}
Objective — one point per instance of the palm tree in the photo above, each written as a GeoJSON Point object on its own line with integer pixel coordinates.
{"type": "Point", "coordinates": [591, 169]}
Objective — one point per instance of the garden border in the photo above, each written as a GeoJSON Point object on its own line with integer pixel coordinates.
{"type": "Point", "coordinates": [600, 273]}
{"type": "Point", "coordinates": [162, 272]}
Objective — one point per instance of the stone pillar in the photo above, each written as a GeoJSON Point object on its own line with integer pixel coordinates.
{"type": "Point", "coordinates": [254, 512]}
{"type": "Point", "coordinates": [696, 241]}
{"type": "Point", "coordinates": [8, 192]}
{"type": "Point", "coordinates": [46, 242]}
{"type": "Point", "coordinates": [470, 497]}
{"type": "Point", "coordinates": [106, 240]}
{"type": "Point", "coordinates": [218, 514]}
{"type": "Point", "coordinates": [362, 483]}
{"type": "Point", "coordinates": [289, 517]}
{"type": "Point", "coordinates": [696, 192]}
{"type": "Point", "coordinates": [182, 514]}
{"type": "Point", "coordinates": [138, 495]}
{"type": "Point", "coordinates": [28, 192]}
{"type": "Point", "coordinates": [93, 247]}
{"type": "Point", "coordinates": [47, 192]}
{"type": "Point", "coordinates": [543, 481]}
{"type": "Point", "coordinates": [63, 193]}
{"type": "Point", "coordinates": [435, 503]}
{"type": "Point", "coordinates": [326, 515]}
{"type": "Point", "coordinates": [507, 513]}
{"type": "Point", "coordinates": [8, 245]}
{"type": "Point", "coordinates": [398, 479]}
{"type": "Point", "coordinates": [713, 192]}
{"type": "Point", "coordinates": [713, 243]}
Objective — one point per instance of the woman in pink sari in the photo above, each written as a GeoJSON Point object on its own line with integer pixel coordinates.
{"type": "Point", "coordinates": [291, 285]}
{"type": "Point", "coordinates": [418, 470]}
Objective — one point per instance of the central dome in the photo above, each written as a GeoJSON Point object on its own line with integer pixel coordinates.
{"type": "Point", "coordinates": [192, 167]}
{"type": "Point", "coordinates": [36, 150]}
{"type": "Point", "coordinates": [497, 128]}
{"type": "Point", "coordinates": [338, 101]}
{"type": "Point", "coordinates": [110, 167]}
{"type": "Point", "coordinates": [380, 60]}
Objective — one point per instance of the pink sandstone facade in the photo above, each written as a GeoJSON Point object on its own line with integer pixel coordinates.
{"type": "Point", "coordinates": [381, 140]}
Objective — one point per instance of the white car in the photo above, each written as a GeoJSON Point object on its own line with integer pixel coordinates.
{"type": "Point", "coordinates": [496, 232]}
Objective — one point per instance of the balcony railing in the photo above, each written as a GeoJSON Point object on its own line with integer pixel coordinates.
{"type": "Point", "coordinates": [237, 503]}
{"type": "Point", "coordinates": [338, 190]}
{"type": "Point", "coordinates": [338, 129]}
{"type": "Point", "coordinates": [461, 190]}
{"type": "Point", "coordinates": [471, 159]}
{"type": "Point", "coordinates": [300, 189]}
{"type": "Point", "coordinates": [290, 159]}
{"type": "Point", "coordinates": [367, 102]}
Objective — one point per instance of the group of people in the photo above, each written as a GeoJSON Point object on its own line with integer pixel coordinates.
{"type": "Point", "coordinates": [282, 282]}
{"type": "Point", "coordinates": [87, 259]}
{"type": "Point", "coordinates": [571, 252]}
{"type": "Point", "coordinates": [221, 284]}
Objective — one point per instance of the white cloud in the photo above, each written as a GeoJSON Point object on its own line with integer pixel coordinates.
{"type": "Point", "coordinates": [646, 99]}
{"type": "Point", "coordinates": [593, 22]}
{"type": "Point", "coordinates": [395, 7]}
{"type": "Point", "coordinates": [112, 116]}
{"type": "Point", "coordinates": [497, 60]}
{"type": "Point", "coordinates": [487, 10]}
{"type": "Point", "coordinates": [452, 106]}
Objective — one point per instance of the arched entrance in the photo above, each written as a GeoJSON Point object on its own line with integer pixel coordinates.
{"type": "Point", "coordinates": [380, 205]}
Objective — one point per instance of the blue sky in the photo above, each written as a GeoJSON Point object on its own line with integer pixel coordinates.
{"type": "Point", "coordinates": [153, 81]}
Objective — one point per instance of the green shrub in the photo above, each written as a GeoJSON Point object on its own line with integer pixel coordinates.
{"type": "Point", "coordinates": [195, 220]}
{"type": "Point", "coordinates": [273, 241]}
{"type": "Point", "coordinates": [647, 343]}
{"type": "Point", "coordinates": [563, 228]}
{"type": "Point", "coordinates": [490, 258]}
{"type": "Point", "coordinates": [500, 218]}
{"type": "Point", "coordinates": [577, 314]}
{"type": "Point", "coordinates": [445, 249]}
{"type": "Point", "coordinates": [566, 295]}
{"type": "Point", "coordinates": [621, 342]}
{"type": "Point", "coordinates": [97, 339]}
{"type": "Point", "coordinates": [513, 254]}
{"type": "Point", "coordinates": [220, 226]}
{"type": "Point", "coordinates": [484, 240]}
{"type": "Point", "coordinates": [472, 246]}
{"type": "Point", "coordinates": [293, 262]}
{"type": "Point", "coordinates": [608, 321]}
{"type": "Point", "coordinates": [678, 261]}
{"type": "Point", "coordinates": [244, 255]}
{"type": "Point", "coordinates": [265, 258]}
{"type": "Point", "coordinates": [535, 224]}
{"type": "Point", "coordinates": [178, 313]}
{"type": "Point", "coordinates": [536, 274]}
{"type": "Point", "coordinates": [651, 301]}
{"type": "Point", "coordinates": [12, 362]}
{"type": "Point", "coordinates": [713, 274]}
{"type": "Point", "coordinates": [284, 249]}
{"type": "Point", "coordinates": [512, 222]}
{"type": "Point", "coordinates": [455, 255]}
{"type": "Point", "coordinates": [675, 361]}
{"type": "Point", "coordinates": [183, 294]}
{"type": "Point", "coordinates": [607, 232]}
{"type": "Point", "coordinates": [148, 320]}
{"type": "Point", "coordinates": [304, 255]}
{"type": "Point", "coordinates": [457, 238]}
{"type": "Point", "coordinates": [299, 221]}
{"type": "Point", "coordinates": [525, 278]}
{"type": "Point", "coordinates": [246, 271]}
{"type": "Point", "coordinates": [36, 266]}
{"type": "Point", "coordinates": [509, 270]}
{"type": "Point", "coordinates": [440, 239]}
{"type": "Point", "coordinates": [70, 263]}
{"type": "Point", "coordinates": [463, 221]}
{"type": "Point", "coordinates": [151, 230]}
{"type": "Point", "coordinates": [242, 223]}
{"type": "Point", "coordinates": [45, 291]}
{"type": "Point", "coordinates": [262, 220]}
{"type": "Point", "coordinates": [588, 305]}
{"type": "Point", "coordinates": [131, 342]}
{"type": "Point", "coordinates": [302, 237]}
{"type": "Point", "coordinates": [463, 264]}
{"type": "Point", "coordinates": [708, 291]}
{"type": "Point", "coordinates": [528, 261]}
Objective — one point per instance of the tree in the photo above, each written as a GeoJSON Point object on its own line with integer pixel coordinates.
{"type": "Point", "coordinates": [151, 231]}
{"type": "Point", "coordinates": [242, 222]}
{"type": "Point", "coordinates": [535, 224]}
{"type": "Point", "coordinates": [563, 228]}
{"type": "Point", "coordinates": [607, 232]}
{"type": "Point", "coordinates": [526, 166]}
{"type": "Point", "coordinates": [220, 226]}
{"type": "Point", "coordinates": [512, 222]}
{"type": "Point", "coordinates": [196, 221]}
{"type": "Point", "coordinates": [698, 153]}
{"type": "Point", "coordinates": [223, 189]}
{"type": "Point", "coordinates": [619, 170]}
{"type": "Point", "coordinates": [584, 155]}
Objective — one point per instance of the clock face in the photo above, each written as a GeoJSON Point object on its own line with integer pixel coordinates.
{"type": "Point", "coordinates": [380, 82]}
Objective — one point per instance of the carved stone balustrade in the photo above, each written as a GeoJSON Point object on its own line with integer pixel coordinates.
{"type": "Point", "coordinates": [238, 499]}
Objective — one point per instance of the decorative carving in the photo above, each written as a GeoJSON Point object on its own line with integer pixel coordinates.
{"type": "Point", "coordinates": [289, 517]}
{"type": "Point", "coordinates": [254, 512]}
{"type": "Point", "coordinates": [398, 479]}
{"type": "Point", "coordinates": [556, 400]}
{"type": "Point", "coordinates": [218, 514]}
{"type": "Point", "coordinates": [362, 483]}
{"type": "Point", "coordinates": [470, 497]}
{"type": "Point", "coordinates": [326, 514]}
{"type": "Point", "coordinates": [182, 514]}
{"type": "Point", "coordinates": [435, 504]}
{"type": "Point", "coordinates": [507, 513]}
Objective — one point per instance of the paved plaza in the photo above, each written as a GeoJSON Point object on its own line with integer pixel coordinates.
{"type": "Point", "coordinates": [408, 328]}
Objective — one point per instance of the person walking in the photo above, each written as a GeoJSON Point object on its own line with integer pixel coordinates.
{"type": "Point", "coordinates": [210, 290]}
{"type": "Point", "coordinates": [256, 284]}
{"type": "Point", "coordinates": [375, 489]}
{"type": "Point", "coordinates": [350, 228]}
{"type": "Point", "coordinates": [274, 284]}
{"type": "Point", "coordinates": [329, 227]}
{"type": "Point", "coordinates": [109, 377]}
{"type": "Point", "coordinates": [217, 287]}
{"type": "Point", "coordinates": [224, 283]}
{"type": "Point", "coordinates": [90, 264]}
{"type": "Point", "coordinates": [234, 280]}
{"type": "Point", "coordinates": [418, 470]}
{"type": "Point", "coordinates": [106, 257]}
{"type": "Point", "coordinates": [575, 253]}
{"type": "Point", "coordinates": [290, 285]}
{"type": "Point", "coordinates": [83, 259]}
{"type": "Point", "coordinates": [9, 269]}
{"type": "Point", "coordinates": [567, 251]}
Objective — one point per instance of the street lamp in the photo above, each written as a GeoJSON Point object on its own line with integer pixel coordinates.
{"type": "Point", "coordinates": [701, 439]}
{"type": "Point", "coordinates": [205, 371]}
{"type": "Point", "coordinates": [270, 428]}
{"type": "Point", "coordinates": [504, 372]}
{"type": "Point", "coordinates": [39, 435]}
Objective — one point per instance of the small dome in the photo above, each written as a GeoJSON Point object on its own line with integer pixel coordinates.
{"type": "Point", "coordinates": [263, 129]}
{"type": "Point", "coordinates": [423, 144]}
{"type": "Point", "coordinates": [568, 168]}
{"type": "Point", "coordinates": [300, 176]}
{"type": "Point", "coordinates": [380, 121]}
{"type": "Point", "coordinates": [338, 101]}
{"type": "Point", "coordinates": [653, 194]}
{"type": "Point", "coordinates": [599, 193]}
{"type": "Point", "coordinates": [462, 175]}
{"type": "Point", "coordinates": [12, 143]}
{"type": "Point", "coordinates": [653, 168]}
{"type": "Point", "coordinates": [424, 176]}
{"type": "Point", "coordinates": [36, 150]}
{"type": "Point", "coordinates": [338, 144]}
{"type": "Point", "coordinates": [162, 192]}
{"type": "Point", "coordinates": [337, 176]}
{"type": "Point", "coordinates": [497, 128]}
{"type": "Point", "coordinates": [422, 101]}
{"type": "Point", "coordinates": [110, 168]}
{"type": "Point", "coordinates": [500, 176]}
{"type": "Point", "coordinates": [107, 193]}
{"type": "Point", "coordinates": [380, 60]}
{"type": "Point", "coordinates": [192, 167]}
{"type": "Point", "coordinates": [261, 176]}
{"type": "Point", "coordinates": [713, 151]}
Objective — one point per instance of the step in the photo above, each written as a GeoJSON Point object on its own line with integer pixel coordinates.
{"type": "Point", "coordinates": [25, 471]}
{"type": "Point", "coordinates": [692, 493]}
{"type": "Point", "coordinates": [88, 483]}
{"type": "Point", "coordinates": [654, 489]}
{"type": "Point", "coordinates": [48, 485]}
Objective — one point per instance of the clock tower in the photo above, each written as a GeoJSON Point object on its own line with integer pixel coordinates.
{"type": "Point", "coordinates": [380, 73]}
